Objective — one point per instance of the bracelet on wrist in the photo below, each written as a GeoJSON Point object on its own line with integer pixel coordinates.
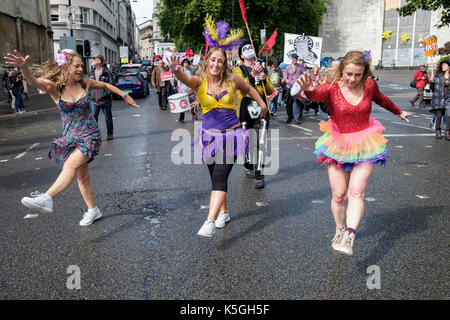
{"type": "Point", "coordinates": [125, 94]}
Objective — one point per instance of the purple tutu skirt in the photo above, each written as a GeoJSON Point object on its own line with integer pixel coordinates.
{"type": "Point", "coordinates": [231, 143]}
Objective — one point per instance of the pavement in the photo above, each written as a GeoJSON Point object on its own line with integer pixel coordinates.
{"type": "Point", "coordinates": [277, 244]}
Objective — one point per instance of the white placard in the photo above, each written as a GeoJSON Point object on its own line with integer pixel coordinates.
{"type": "Point", "coordinates": [196, 60]}
{"type": "Point", "coordinates": [306, 47]}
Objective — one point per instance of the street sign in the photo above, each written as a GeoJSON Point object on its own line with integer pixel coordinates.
{"type": "Point", "coordinates": [123, 52]}
{"type": "Point", "coordinates": [123, 60]}
{"type": "Point", "coordinates": [430, 46]}
{"type": "Point", "coordinates": [67, 43]}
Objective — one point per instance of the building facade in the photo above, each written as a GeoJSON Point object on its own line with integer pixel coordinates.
{"type": "Point", "coordinates": [145, 39]}
{"type": "Point", "coordinates": [106, 24]}
{"type": "Point", "coordinates": [26, 27]}
{"type": "Point", "coordinates": [158, 43]}
{"type": "Point", "coordinates": [375, 25]}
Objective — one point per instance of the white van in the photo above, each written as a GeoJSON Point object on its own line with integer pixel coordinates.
{"type": "Point", "coordinates": [133, 68]}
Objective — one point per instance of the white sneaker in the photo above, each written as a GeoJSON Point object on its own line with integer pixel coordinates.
{"type": "Point", "coordinates": [222, 218]}
{"type": "Point", "coordinates": [39, 201]}
{"type": "Point", "coordinates": [346, 245]}
{"type": "Point", "coordinates": [208, 229]}
{"type": "Point", "coordinates": [337, 238]}
{"type": "Point", "coordinates": [90, 216]}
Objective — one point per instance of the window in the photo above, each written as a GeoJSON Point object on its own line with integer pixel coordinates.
{"type": "Point", "coordinates": [81, 15]}
{"type": "Point", "coordinates": [54, 13]}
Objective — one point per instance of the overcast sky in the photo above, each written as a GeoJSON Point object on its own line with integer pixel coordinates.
{"type": "Point", "coordinates": [142, 8]}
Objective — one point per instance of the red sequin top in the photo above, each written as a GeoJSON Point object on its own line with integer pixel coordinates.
{"type": "Point", "coordinates": [348, 117]}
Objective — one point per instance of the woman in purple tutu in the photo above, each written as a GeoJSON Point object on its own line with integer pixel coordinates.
{"type": "Point", "coordinates": [68, 86]}
{"type": "Point", "coordinates": [221, 137]}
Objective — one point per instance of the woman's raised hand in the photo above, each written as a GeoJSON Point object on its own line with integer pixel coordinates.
{"type": "Point", "coordinates": [306, 82]}
{"type": "Point", "coordinates": [174, 63]}
{"type": "Point", "coordinates": [16, 59]}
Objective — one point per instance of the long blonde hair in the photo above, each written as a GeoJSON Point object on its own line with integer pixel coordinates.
{"type": "Point", "coordinates": [59, 74]}
{"type": "Point", "coordinates": [357, 58]}
{"type": "Point", "coordinates": [224, 76]}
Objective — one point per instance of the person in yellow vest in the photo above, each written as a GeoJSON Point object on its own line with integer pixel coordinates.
{"type": "Point", "coordinates": [249, 111]}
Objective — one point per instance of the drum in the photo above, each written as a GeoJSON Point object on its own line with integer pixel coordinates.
{"type": "Point", "coordinates": [297, 92]}
{"type": "Point", "coordinates": [179, 103]}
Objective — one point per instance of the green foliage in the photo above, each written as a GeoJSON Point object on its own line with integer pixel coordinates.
{"type": "Point", "coordinates": [412, 6]}
{"type": "Point", "coordinates": [183, 19]}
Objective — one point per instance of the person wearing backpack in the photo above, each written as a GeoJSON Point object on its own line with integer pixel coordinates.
{"type": "Point", "coordinates": [421, 79]}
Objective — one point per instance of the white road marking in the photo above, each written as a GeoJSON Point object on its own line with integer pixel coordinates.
{"type": "Point", "coordinates": [408, 135]}
{"type": "Point", "coordinates": [411, 125]}
{"type": "Point", "coordinates": [300, 127]}
{"type": "Point", "coordinates": [25, 152]}
{"type": "Point", "coordinates": [422, 197]}
{"type": "Point", "coordinates": [370, 199]}
{"type": "Point", "coordinates": [31, 216]}
{"type": "Point", "coordinates": [108, 154]}
{"type": "Point", "coordinates": [3, 160]}
{"type": "Point", "coordinates": [317, 201]}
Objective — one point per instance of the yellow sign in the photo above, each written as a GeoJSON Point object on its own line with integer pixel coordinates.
{"type": "Point", "coordinates": [123, 60]}
{"type": "Point", "coordinates": [430, 46]}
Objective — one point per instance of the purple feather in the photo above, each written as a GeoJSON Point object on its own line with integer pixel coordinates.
{"type": "Point", "coordinates": [222, 29]}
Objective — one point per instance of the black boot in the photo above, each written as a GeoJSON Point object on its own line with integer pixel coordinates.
{"type": "Point", "coordinates": [447, 135]}
{"type": "Point", "coordinates": [259, 180]}
{"type": "Point", "coordinates": [438, 134]}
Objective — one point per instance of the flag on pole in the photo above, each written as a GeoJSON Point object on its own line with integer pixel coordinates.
{"type": "Point", "coordinates": [207, 47]}
{"type": "Point", "coordinates": [242, 5]}
{"type": "Point", "coordinates": [271, 42]}
{"type": "Point", "coordinates": [189, 52]}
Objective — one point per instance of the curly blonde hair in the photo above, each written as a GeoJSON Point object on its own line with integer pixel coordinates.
{"type": "Point", "coordinates": [357, 58]}
{"type": "Point", "coordinates": [224, 77]}
{"type": "Point", "coordinates": [59, 74]}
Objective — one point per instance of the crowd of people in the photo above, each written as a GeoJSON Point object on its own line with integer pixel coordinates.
{"type": "Point", "coordinates": [16, 89]}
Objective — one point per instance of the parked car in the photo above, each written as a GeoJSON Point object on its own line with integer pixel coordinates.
{"type": "Point", "coordinates": [133, 68]}
{"type": "Point", "coordinates": [427, 94]}
{"type": "Point", "coordinates": [133, 83]}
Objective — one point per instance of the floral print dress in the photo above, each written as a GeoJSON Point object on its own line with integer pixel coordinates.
{"type": "Point", "coordinates": [80, 130]}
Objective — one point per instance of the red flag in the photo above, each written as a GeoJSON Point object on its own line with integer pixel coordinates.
{"type": "Point", "coordinates": [242, 5]}
{"type": "Point", "coordinates": [271, 42]}
{"type": "Point", "coordinates": [189, 53]}
{"type": "Point", "coordinates": [206, 50]}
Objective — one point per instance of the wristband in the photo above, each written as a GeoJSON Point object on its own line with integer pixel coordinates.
{"type": "Point", "coordinates": [125, 94]}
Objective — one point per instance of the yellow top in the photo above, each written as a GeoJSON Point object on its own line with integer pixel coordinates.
{"type": "Point", "coordinates": [269, 88]}
{"type": "Point", "coordinates": [208, 102]}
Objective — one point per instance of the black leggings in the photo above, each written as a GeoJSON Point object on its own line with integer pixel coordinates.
{"type": "Point", "coordinates": [219, 172]}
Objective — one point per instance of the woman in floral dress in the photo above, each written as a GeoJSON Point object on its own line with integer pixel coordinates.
{"type": "Point", "coordinates": [65, 81]}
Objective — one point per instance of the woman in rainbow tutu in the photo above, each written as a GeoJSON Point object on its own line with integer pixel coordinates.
{"type": "Point", "coordinates": [352, 142]}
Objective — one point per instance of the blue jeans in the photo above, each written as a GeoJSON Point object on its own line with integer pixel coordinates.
{"type": "Point", "coordinates": [19, 102]}
{"type": "Point", "coordinates": [273, 104]}
{"type": "Point", "coordinates": [298, 109]}
{"type": "Point", "coordinates": [108, 116]}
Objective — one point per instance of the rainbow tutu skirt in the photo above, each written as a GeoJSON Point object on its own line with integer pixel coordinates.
{"type": "Point", "coordinates": [349, 149]}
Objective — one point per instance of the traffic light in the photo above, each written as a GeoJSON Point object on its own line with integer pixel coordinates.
{"type": "Point", "coordinates": [87, 49]}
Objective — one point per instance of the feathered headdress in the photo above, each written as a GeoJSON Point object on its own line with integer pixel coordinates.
{"type": "Point", "coordinates": [216, 34]}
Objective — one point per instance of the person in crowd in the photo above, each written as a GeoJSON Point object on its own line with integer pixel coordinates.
{"type": "Point", "coordinates": [421, 79]}
{"type": "Point", "coordinates": [291, 74]}
{"type": "Point", "coordinates": [276, 77]}
{"type": "Point", "coordinates": [440, 102]}
{"type": "Point", "coordinates": [186, 68]}
{"type": "Point", "coordinates": [352, 142]}
{"type": "Point", "coordinates": [101, 99]}
{"type": "Point", "coordinates": [162, 87]}
{"type": "Point", "coordinates": [17, 91]}
{"type": "Point", "coordinates": [254, 74]}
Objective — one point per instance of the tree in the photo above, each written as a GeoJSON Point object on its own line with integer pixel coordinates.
{"type": "Point", "coordinates": [183, 19]}
{"type": "Point", "coordinates": [428, 5]}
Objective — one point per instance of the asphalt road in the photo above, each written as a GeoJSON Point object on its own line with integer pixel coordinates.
{"type": "Point", "coordinates": [277, 244]}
